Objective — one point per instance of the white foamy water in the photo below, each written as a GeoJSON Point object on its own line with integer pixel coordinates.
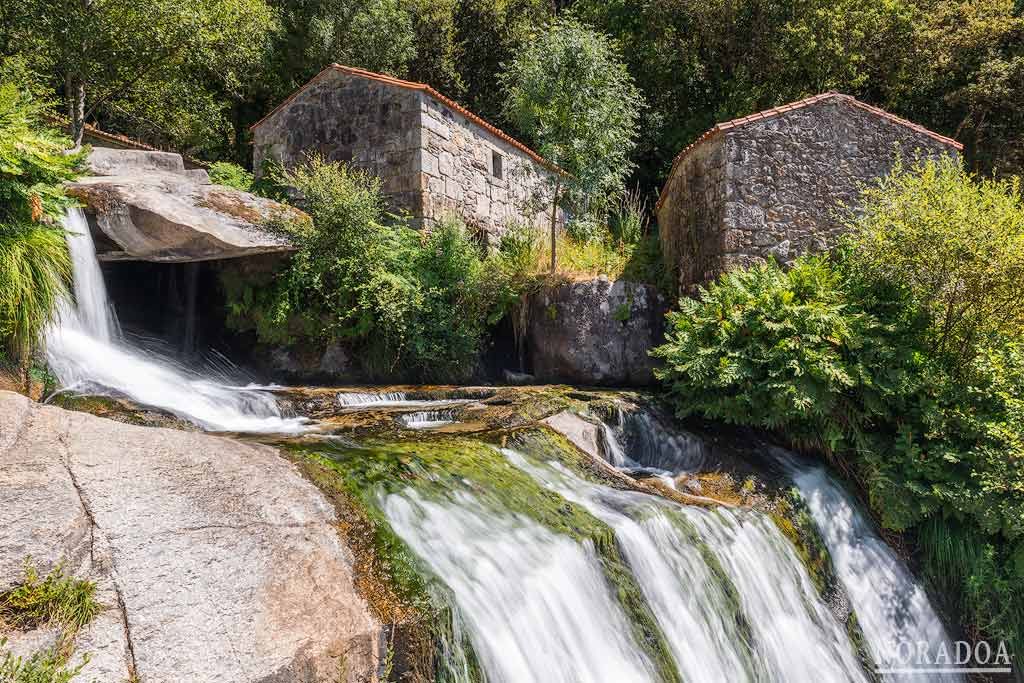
{"type": "Point", "coordinates": [85, 352]}
{"type": "Point", "coordinates": [792, 635]}
{"type": "Point", "coordinates": [536, 605]}
{"type": "Point", "coordinates": [428, 419]}
{"type": "Point", "coordinates": [891, 606]}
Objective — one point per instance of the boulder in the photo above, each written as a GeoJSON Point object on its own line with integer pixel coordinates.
{"type": "Point", "coordinates": [147, 206]}
{"type": "Point", "coordinates": [214, 559]}
{"type": "Point", "coordinates": [595, 332]}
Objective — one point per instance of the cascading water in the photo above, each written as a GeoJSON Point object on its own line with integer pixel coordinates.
{"type": "Point", "coordinates": [787, 634]}
{"type": "Point", "coordinates": [891, 607]}
{"type": "Point", "coordinates": [536, 604]}
{"type": "Point", "coordinates": [85, 351]}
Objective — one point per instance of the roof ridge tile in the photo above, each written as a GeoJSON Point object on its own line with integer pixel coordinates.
{"type": "Point", "coordinates": [421, 87]}
{"type": "Point", "coordinates": [792, 106]}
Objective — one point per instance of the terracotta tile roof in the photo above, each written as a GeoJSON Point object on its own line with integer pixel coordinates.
{"type": "Point", "coordinates": [799, 104]}
{"type": "Point", "coordinates": [115, 138]}
{"type": "Point", "coordinates": [422, 87]}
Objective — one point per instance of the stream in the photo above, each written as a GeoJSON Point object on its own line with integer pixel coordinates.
{"type": "Point", "coordinates": [656, 590]}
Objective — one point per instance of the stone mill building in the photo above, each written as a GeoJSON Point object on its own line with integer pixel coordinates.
{"type": "Point", "coordinates": [776, 183]}
{"type": "Point", "coordinates": [434, 156]}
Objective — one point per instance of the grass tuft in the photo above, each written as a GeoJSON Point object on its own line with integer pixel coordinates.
{"type": "Point", "coordinates": [54, 599]}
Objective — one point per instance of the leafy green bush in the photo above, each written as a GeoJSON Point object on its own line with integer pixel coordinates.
{"type": "Point", "coordinates": [35, 268]}
{"type": "Point", "coordinates": [231, 175]}
{"type": "Point", "coordinates": [411, 305]}
{"type": "Point", "coordinates": [900, 357]}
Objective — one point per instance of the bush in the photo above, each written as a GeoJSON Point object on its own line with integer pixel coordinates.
{"type": "Point", "coordinates": [411, 305]}
{"type": "Point", "coordinates": [231, 175]}
{"type": "Point", "coordinates": [35, 268]}
{"type": "Point", "coordinates": [901, 358]}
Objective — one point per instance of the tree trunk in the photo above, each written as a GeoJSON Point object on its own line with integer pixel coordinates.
{"type": "Point", "coordinates": [554, 223]}
{"type": "Point", "coordinates": [76, 109]}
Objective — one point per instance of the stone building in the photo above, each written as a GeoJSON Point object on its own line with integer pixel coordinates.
{"type": "Point", "coordinates": [434, 156]}
{"type": "Point", "coordinates": [778, 182]}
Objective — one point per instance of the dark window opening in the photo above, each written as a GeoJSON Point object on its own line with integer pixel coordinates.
{"type": "Point", "coordinates": [496, 169]}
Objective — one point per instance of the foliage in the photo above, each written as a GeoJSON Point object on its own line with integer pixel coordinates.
{"type": "Point", "coordinates": [231, 175]}
{"type": "Point", "coordinates": [32, 163]}
{"type": "Point", "coordinates": [44, 666]}
{"type": "Point", "coordinates": [955, 247]}
{"type": "Point", "coordinates": [414, 305]}
{"type": "Point", "coordinates": [54, 599]}
{"type": "Point", "coordinates": [35, 268]}
{"type": "Point", "coordinates": [163, 67]}
{"type": "Point", "coordinates": [573, 97]}
{"type": "Point", "coordinates": [913, 384]}
{"type": "Point", "coordinates": [376, 35]}
{"type": "Point", "coordinates": [35, 274]}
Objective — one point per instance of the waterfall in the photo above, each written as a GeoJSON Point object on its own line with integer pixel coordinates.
{"type": "Point", "coordinates": [536, 604]}
{"type": "Point", "coordinates": [91, 312]}
{"type": "Point", "coordinates": [427, 419]}
{"type": "Point", "coordinates": [85, 351]}
{"type": "Point", "coordinates": [891, 606]}
{"type": "Point", "coordinates": [678, 555]}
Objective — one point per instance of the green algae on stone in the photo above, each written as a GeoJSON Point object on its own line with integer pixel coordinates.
{"type": "Point", "coordinates": [436, 467]}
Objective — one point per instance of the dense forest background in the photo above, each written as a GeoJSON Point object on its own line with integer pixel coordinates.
{"type": "Point", "coordinates": [193, 75]}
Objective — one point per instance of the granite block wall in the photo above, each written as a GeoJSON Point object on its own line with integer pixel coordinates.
{"type": "Point", "coordinates": [432, 159]}
{"type": "Point", "coordinates": [780, 186]}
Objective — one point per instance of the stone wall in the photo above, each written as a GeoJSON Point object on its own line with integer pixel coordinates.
{"type": "Point", "coordinates": [691, 213]}
{"type": "Point", "coordinates": [787, 186]}
{"type": "Point", "coordinates": [433, 159]}
{"type": "Point", "coordinates": [371, 124]}
{"type": "Point", "coordinates": [595, 332]}
{"type": "Point", "coordinates": [471, 172]}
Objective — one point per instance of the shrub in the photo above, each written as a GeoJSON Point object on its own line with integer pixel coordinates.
{"type": "Point", "coordinates": [411, 305]}
{"type": "Point", "coordinates": [953, 244]}
{"type": "Point", "coordinates": [35, 269]}
{"type": "Point", "coordinates": [848, 367]}
{"type": "Point", "coordinates": [231, 175]}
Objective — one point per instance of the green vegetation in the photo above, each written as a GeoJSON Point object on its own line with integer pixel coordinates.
{"type": "Point", "coordinates": [53, 600]}
{"type": "Point", "coordinates": [35, 268]}
{"type": "Point", "coordinates": [573, 97]}
{"type": "Point", "coordinates": [411, 305]}
{"type": "Point", "coordinates": [45, 666]}
{"type": "Point", "coordinates": [169, 66]}
{"type": "Point", "coordinates": [900, 358]}
{"type": "Point", "coordinates": [231, 175]}
{"type": "Point", "coordinates": [194, 75]}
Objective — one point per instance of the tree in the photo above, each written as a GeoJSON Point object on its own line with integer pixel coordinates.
{"type": "Point", "coordinates": [570, 93]}
{"type": "Point", "coordinates": [106, 52]}
{"type": "Point", "coordinates": [376, 35]}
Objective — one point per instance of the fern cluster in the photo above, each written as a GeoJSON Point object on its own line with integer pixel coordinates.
{"type": "Point", "coordinates": [839, 361]}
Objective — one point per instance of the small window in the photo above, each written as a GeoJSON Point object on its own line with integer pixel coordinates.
{"type": "Point", "coordinates": [496, 169]}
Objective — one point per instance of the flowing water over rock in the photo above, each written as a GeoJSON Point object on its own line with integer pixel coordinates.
{"type": "Point", "coordinates": [536, 603]}
{"type": "Point", "coordinates": [85, 352]}
{"type": "Point", "coordinates": [891, 606]}
{"type": "Point", "coordinates": [573, 572]}
{"type": "Point", "coordinates": [692, 564]}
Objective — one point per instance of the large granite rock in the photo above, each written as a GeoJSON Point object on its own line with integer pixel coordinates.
{"type": "Point", "coordinates": [595, 332]}
{"type": "Point", "coordinates": [148, 206]}
{"type": "Point", "coordinates": [214, 559]}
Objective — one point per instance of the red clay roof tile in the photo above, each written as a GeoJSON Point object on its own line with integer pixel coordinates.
{"type": "Point", "coordinates": [799, 104]}
{"type": "Point", "coordinates": [422, 87]}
